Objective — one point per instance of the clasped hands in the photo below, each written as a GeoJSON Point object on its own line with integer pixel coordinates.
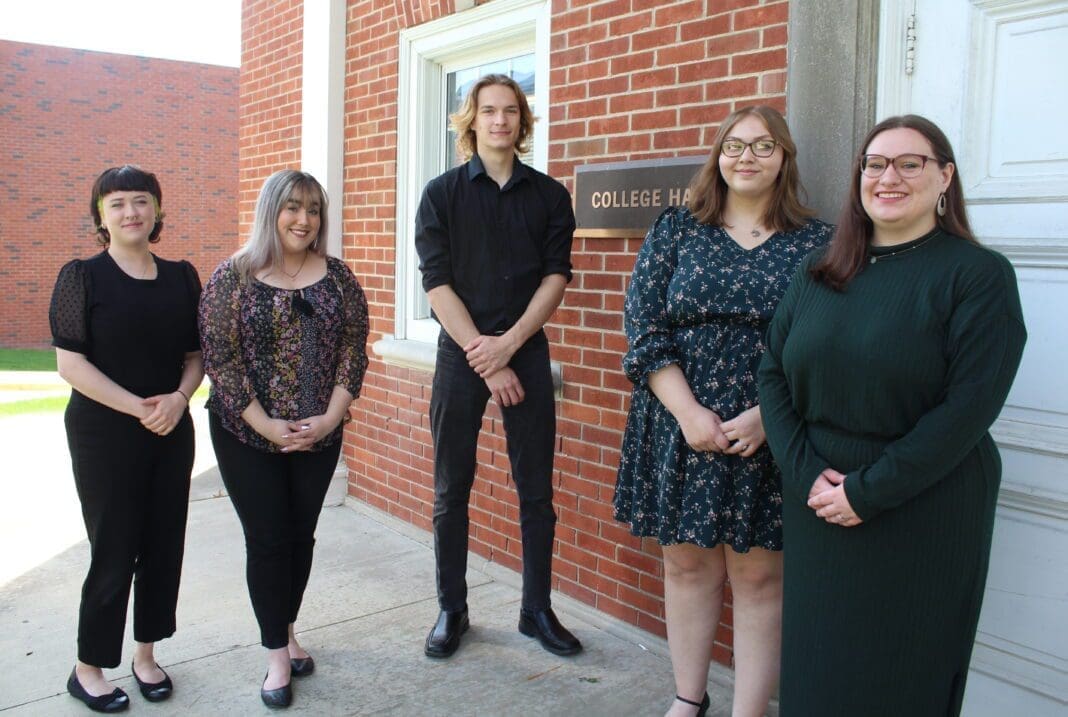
{"type": "Point", "coordinates": [161, 413]}
{"type": "Point", "coordinates": [299, 435]}
{"type": "Point", "coordinates": [488, 356]}
{"type": "Point", "coordinates": [704, 430]}
{"type": "Point", "coordinates": [828, 498]}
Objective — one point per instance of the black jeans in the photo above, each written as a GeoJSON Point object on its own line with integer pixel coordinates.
{"type": "Point", "coordinates": [277, 497]}
{"type": "Point", "coordinates": [134, 489]}
{"type": "Point", "coordinates": [456, 406]}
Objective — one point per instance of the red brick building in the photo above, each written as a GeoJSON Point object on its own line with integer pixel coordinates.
{"type": "Point", "coordinates": [65, 116]}
{"type": "Point", "coordinates": [357, 92]}
{"type": "Point", "coordinates": [614, 83]}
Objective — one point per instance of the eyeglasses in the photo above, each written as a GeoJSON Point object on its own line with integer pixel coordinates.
{"type": "Point", "coordinates": [760, 147]}
{"type": "Point", "coordinates": [906, 165]}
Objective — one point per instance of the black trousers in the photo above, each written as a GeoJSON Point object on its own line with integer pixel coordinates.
{"type": "Point", "coordinates": [278, 497]}
{"type": "Point", "coordinates": [456, 406]}
{"type": "Point", "coordinates": [134, 490]}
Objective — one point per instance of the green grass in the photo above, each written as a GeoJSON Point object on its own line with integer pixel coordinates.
{"type": "Point", "coordinates": [34, 405]}
{"type": "Point", "coordinates": [27, 360]}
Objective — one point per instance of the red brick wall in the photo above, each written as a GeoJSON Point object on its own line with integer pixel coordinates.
{"type": "Point", "coordinates": [65, 116]}
{"type": "Point", "coordinates": [272, 39]}
{"type": "Point", "coordinates": [624, 85]}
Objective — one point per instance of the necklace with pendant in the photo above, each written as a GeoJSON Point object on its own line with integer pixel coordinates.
{"type": "Point", "coordinates": [294, 274]}
{"type": "Point", "coordinates": [879, 257]}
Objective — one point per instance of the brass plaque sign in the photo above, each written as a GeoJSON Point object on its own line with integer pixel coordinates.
{"type": "Point", "coordinates": [621, 199]}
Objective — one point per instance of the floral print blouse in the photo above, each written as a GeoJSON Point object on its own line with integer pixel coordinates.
{"type": "Point", "coordinates": [286, 348]}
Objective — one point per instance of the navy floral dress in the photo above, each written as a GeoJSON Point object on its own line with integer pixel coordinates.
{"type": "Point", "coordinates": [700, 300]}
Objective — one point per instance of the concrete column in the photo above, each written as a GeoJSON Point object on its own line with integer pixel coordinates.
{"type": "Point", "coordinates": [323, 105]}
{"type": "Point", "coordinates": [830, 92]}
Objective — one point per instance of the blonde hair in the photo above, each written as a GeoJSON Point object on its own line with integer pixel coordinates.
{"type": "Point", "coordinates": [461, 121]}
{"type": "Point", "coordinates": [264, 247]}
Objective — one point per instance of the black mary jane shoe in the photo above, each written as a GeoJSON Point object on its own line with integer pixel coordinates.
{"type": "Point", "coordinates": [553, 636]}
{"type": "Point", "coordinates": [702, 706]}
{"type": "Point", "coordinates": [154, 691]}
{"type": "Point", "coordinates": [301, 666]}
{"type": "Point", "coordinates": [114, 701]}
{"type": "Point", "coordinates": [444, 637]}
{"type": "Point", "coordinates": [278, 697]}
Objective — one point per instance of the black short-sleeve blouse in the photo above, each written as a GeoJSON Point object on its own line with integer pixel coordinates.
{"type": "Point", "coordinates": [136, 331]}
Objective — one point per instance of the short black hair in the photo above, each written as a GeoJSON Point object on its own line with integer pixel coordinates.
{"type": "Point", "coordinates": [126, 178]}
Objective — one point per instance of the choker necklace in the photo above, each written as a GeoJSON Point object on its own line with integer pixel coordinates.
{"type": "Point", "coordinates": [294, 274]}
{"type": "Point", "coordinates": [879, 257]}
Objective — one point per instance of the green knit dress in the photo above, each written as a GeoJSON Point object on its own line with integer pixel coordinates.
{"type": "Point", "coordinates": [895, 382]}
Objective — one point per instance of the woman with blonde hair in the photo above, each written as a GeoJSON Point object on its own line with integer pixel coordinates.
{"type": "Point", "coordinates": [694, 472]}
{"type": "Point", "coordinates": [284, 330]}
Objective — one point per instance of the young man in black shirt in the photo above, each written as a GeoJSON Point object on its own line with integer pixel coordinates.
{"type": "Point", "coordinates": [494, 243]}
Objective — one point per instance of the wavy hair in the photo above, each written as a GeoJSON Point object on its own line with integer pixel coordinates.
{"type": "Point", "coordinates": [845, 254]}
{"type": "Point", "coordinates": [708, 190]}
{"type": "Point", "coordinates": [461, 121]}
{"type": "Point", "coordinates": [264, 247]}
{"type": "Point", "coordinates": [127, 178]}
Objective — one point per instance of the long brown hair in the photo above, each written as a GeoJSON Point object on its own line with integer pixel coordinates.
{"type": "Point", "coordinates": [462, 120]}
{"type": "Point", "coordinates": [708, 191]}
{"type": "Point", "coordinates": [845, 254]}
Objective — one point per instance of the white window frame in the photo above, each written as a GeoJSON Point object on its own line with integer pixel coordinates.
{"type": "Point", "coordinates": [428, 52]}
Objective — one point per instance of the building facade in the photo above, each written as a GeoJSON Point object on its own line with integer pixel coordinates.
{"type": "Point", "coordinates": [65, 116]}
{"type": "Point", "coordinates": [358, 93]}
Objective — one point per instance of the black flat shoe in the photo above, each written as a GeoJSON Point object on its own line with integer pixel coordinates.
{"type": "Point", "coordinates": [154, 691]}
{"type": "Point", "coordinates": [553, 636]}
{"type": "Point", "coordinates": [702, 706]}
{"type": "Point", "coordinates": [278, 697]}
{"type": "Point", "coordinates": [444, 637]}
{"type": "Point", "coordinates": [115, 701]}
{"type": "Point", "coordinates": [301, 666]}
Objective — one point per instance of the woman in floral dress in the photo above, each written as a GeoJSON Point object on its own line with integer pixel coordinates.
{"type": "Point", "coordinates": [695, 472]}
{"type": "Point", "coordinates": [284, 332]}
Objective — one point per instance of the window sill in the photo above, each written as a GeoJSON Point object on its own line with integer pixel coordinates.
{"type": "Point", "coordinates": [420, 355]}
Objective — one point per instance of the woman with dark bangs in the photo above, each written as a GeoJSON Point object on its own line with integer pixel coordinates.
{"type": "Point", "coordinates": [694, 472]}
{"type": "Point", "coordinates": [124, 327]}
{"type": "Point", "coordinates": [889, 358]}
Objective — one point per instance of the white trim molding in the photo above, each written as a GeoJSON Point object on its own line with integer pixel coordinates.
{"type": "Point", "coordinates": [322, 137]}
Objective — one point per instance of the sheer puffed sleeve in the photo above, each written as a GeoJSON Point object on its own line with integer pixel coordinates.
{"type": "Point", "coordinates": [68, 312]}
{"type": "Point", "coordinates": [352, 354]}
{"type": "Point", "coordinates": [220, 339]}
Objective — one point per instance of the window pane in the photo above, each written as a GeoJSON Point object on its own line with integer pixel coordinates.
{"type": "Point", "coordinates": [458, 83]}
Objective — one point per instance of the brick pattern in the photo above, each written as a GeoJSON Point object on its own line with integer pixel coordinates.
{"type": "Point", "coordinates": [272, 40]}
{"type": "Point", "coordinates": [628, 81]}
{"type": "Point", "coordinates": [65, 116]}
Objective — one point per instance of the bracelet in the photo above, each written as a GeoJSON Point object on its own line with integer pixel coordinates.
{"type": "Point", "coordinates": [178, 390]}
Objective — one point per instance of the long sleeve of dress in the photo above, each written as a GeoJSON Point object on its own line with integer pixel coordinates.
{"type": "Point", "coordinates": [984, 343]}
{"type": "Point", "coordinates": [645, 311]}
{"type": "Point", "coordinates": [220, 339]}
{"type": "Point", "coordinates": [68, 313]}
{"type": "Point", "coordinates": [352, 353]}
{"type": "Point", "coordinates": [785, 429]}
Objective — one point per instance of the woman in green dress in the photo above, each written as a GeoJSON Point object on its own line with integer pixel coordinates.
{"type": "Point", "coordinates": [888, 359]}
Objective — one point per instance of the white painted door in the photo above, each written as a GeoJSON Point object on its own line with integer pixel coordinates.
{"type": "Point", "coordinates": [992, 75]}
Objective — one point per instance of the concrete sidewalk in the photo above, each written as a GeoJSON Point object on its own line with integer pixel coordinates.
{"type": "Point", "coordinates": [368, 607]}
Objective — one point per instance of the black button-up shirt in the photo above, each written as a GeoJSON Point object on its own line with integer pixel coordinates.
{"type": "Point", "coordinates": [493, 245]}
